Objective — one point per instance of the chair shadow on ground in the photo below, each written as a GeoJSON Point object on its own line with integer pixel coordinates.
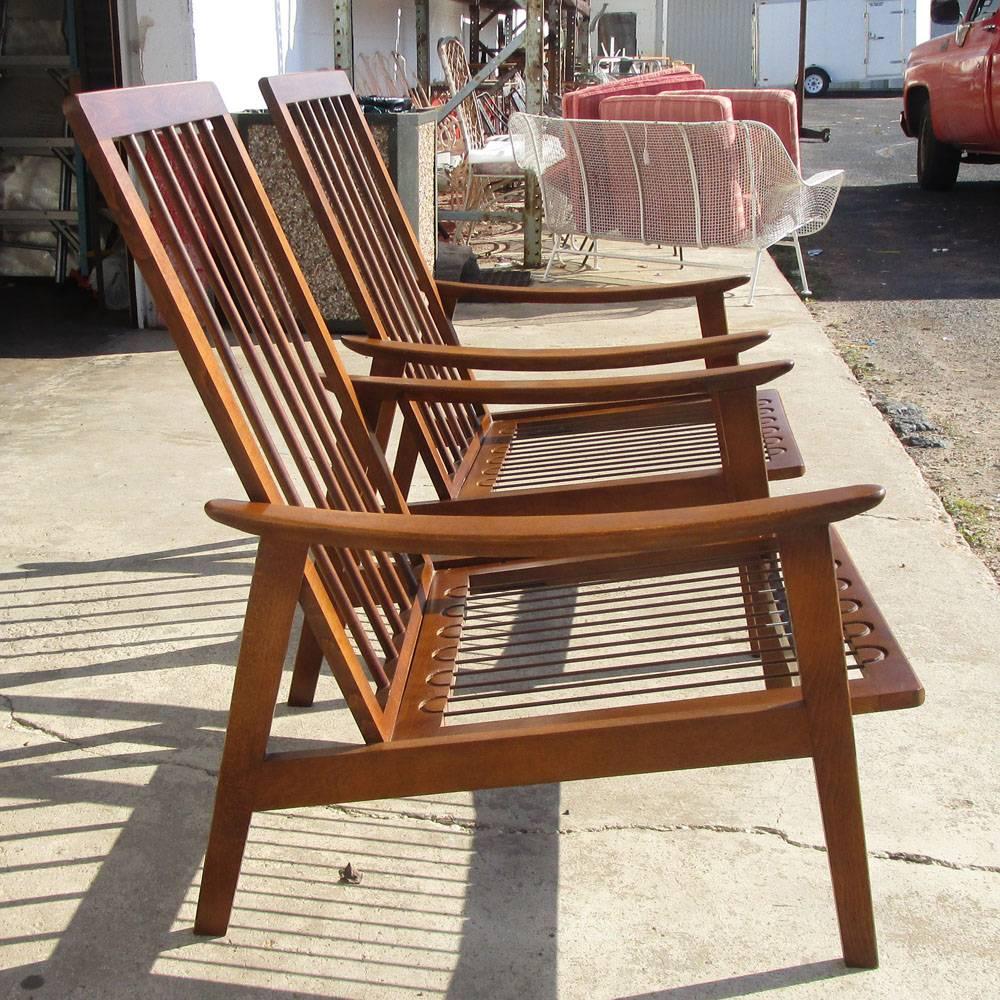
{"type": "Point", "coordinates": [108, 780]}
{"type": "Point", "coordinates": [109, 791]}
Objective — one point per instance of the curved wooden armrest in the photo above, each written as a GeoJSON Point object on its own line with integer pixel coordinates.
{"type": "Point", "coordinates": [558, 537]}
{"type": "Point", "coordinates": [461, 291]}
{"type": "Point", "coordinates": [589, 390]}
{"type": "Point", "coordinates": [561, 359]}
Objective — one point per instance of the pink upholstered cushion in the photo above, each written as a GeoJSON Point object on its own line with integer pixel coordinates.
{"type": "Point", "coordinates": [670, 107]}
{"type": "Point", "coordinates": [776, 108]}
{"type": "Point", "coordinates": [584, 103]}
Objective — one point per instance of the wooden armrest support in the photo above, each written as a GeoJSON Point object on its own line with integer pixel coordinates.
{"type": "Point", "coordinates": [558, 537]}
{"type": "Point", "coordinates": [460, 291]}
{"type": "Point", "coordinates": [561, 359]}
{"type": "Point", "coordinates": [590, 390]}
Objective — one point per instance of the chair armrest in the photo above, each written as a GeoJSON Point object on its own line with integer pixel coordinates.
{"type": "Point", "coordinates": [824, 177]}
{"type": "Point", "coordinates": [562, 359]}
{"type": "Point", "coordinates": [460, 291]}
{"type": "Point", "coordinates": [374, 389]}
{"type": "Point", "coordinates": [526, 535]}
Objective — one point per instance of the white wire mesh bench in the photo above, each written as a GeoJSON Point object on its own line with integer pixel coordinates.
{"type": "Point", "coordinates": [682, 184]}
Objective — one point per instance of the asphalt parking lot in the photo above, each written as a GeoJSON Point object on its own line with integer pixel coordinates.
{"type": "Point", "coordinates": [888, 239]}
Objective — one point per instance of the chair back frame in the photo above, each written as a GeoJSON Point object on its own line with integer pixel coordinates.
{"type": "Point", "coordinates": [208, 243]}
{"type": "Point", "coordinates": [349, 188]}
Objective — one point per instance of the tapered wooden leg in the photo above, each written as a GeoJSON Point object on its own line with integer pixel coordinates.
{"type": "Point", "coordinates": [815, 607]}
{"type": "Point", "coordinates": [840, 803]}
{"type": "Point", "coordinates": [713, 321]}
{"type": "Point", "coordinates": [274, 592]}
{"type": "Point", "coordinates": [406, 458]}
{"type": "Point", "coordinates": [305, 674]}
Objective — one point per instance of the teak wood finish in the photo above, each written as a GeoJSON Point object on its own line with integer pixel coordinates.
{"type": "Point", "coordinates": [706, 636]}
{"type": "Point", "coordinates": [669, 454]}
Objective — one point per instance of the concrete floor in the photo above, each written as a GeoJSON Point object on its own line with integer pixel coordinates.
{"type": "Point", "coordinates": [122, 608]}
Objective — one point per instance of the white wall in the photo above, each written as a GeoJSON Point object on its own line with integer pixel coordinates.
{"type": "Point", "coordinates": [235, 42]}
{"type": "Point", "coordinates": [157, 41]}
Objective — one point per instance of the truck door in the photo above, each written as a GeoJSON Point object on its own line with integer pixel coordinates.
{"type": "Point", "coordinates": [885, 50]}
{"type": "Point", "coordinates": [965, 78]}
{"type": "Point", "coordinates": [993, 79]}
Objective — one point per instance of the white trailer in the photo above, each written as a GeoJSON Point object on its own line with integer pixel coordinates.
{"type": "Point", "coordinates": [851, 44]}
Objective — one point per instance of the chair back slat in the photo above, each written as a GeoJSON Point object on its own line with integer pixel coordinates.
{"type": "Point", "coordinates": [399, 307]}
{"type": "Point", "coordinates": [394, 275]}
{"type": "Point", "coordinates": [363, 221]}
{"type": "Point", "coordinates": [222, 274]}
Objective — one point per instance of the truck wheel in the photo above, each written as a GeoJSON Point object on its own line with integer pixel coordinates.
{"type": "Point", "coordinates": [817, 82]}
{"type": "Point", "coordinates": [937, 162]}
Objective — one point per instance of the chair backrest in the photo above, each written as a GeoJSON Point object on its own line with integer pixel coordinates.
{"type": "Point", "coordinates": [697, 184]}
{"type": "Point", "coordinates": [584, 103]}
{"type": "Point", "coordinates": [209, 245]}
{"type": "Point", "coordinates": [671, 106]}
{"type": "Point", "coordinates": [772, 106]}
{"type": "Point", "coordinates": [455, 63]}
{"type": "Point", "coordinates": [634, 180]}
{"type": "Point", "coordinates": [360, 215]}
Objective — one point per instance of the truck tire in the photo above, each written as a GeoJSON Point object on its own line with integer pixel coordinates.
{"type": "Point", "coordinates": [816, 81]}
{"type": "Point", "coordinates": [937, 162]}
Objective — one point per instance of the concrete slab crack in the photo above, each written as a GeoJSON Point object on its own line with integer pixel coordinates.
{"type": "Point", "coordinates": [19, 722]}
{"type": "Point", "coordinates": [474, 826]}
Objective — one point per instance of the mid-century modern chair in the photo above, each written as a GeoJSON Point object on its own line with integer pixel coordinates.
{"type": "Point", "coordinates": [708, 636]}
{"type": "Point", "coordinates": [671, 452]}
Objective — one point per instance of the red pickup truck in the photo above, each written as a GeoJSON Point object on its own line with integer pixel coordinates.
{"type": "Point", "coordinates": [951, 92]}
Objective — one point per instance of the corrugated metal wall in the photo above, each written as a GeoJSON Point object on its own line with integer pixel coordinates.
{"type": "Point", "coordinates": [717, 36]}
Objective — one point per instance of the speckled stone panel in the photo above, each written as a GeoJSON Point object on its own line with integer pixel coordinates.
{"type": "Point", "coordinates": [297, 219]}
{"type": "Point", "coordinates": [427, 180]}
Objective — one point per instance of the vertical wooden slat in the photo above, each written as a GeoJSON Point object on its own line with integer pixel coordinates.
{"type": "Point", "coordinates": [344, 474]}
{"type": "Point", "coordinates": [221, 289]}
{"type": "Point", "coordinates": [389, 274]}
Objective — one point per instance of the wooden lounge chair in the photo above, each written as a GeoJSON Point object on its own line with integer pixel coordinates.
{"type": "Point", "coordinates": [708, 636]}
{"type": "Point", "coordinates": [668, 452]}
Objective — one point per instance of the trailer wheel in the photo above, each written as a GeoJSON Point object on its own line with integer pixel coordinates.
{"type": "Point", "coordinates": [817, 81]}
{"type": "Point", "coordinates": [937, 162]}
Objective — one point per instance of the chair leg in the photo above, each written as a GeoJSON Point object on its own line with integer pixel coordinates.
{"type": "Point", "coordinates": [764, 631]}
{"type": "Point", "coordinates": [552, 257]}
{"type": "Point", "coordinates": [836, 768]}
{"type": "Point", "coordinates": [814, 601]}
{"type": "Point", "coordinates": [754, 276]}
{"type": "Point", "coordinates": [274, 593]}
{"type": "Point", "coordinates": [802, 264]}
{"type": "Point", "coordinates": [305, 675]}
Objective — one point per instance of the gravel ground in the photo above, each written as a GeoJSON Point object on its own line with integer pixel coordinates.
{"type": "Point", "coordinates": [907, 287]}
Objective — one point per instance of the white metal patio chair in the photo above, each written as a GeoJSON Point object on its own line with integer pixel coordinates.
{"type": "Point", "coordinates": [685, 184]}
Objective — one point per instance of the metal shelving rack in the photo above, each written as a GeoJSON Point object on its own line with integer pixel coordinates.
{"type": "Point", "coordinates": [69, 220]}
